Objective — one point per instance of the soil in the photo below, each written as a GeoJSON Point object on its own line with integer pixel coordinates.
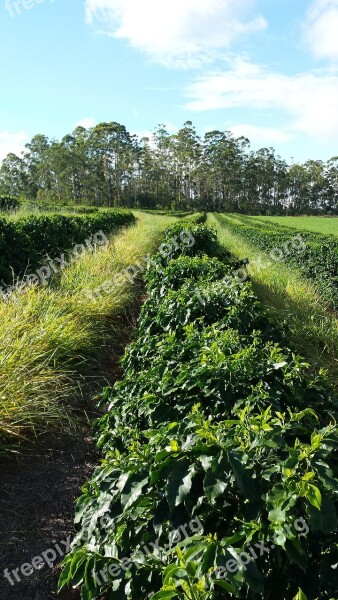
{"type": "Point", "coordinates": [38, 492]}
{"type": "Point", "coordinates": [39, 488]}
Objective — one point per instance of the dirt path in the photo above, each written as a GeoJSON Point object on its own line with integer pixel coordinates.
{"type": "Point", "coordinates": [39, 490]}
{"type": "Point", "coordinates": [37, 512]}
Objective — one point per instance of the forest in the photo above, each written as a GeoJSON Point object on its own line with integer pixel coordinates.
{"type": "Point", "coordinates": [107, 166]}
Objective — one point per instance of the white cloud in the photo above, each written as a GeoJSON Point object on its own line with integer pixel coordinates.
{"type": "Point", "coordinates": [308, 99]}
{"type": "Point", "coordinates": [12, 142]}
{"type": "Point", "coordinates": [261, 135]}
{"type": "Point", "coordinates": [87, 122]}
{"type": "Point", "coordinates": [322, 29]}
{"type": "Point", "coordinates": [176, 32]}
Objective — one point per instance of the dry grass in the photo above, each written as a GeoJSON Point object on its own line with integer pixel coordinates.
{"type": "Point", "coordinates": [51, 335]}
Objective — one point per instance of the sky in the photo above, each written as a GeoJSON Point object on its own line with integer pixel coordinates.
{"type": "Point", "coordinates": [266, 69]}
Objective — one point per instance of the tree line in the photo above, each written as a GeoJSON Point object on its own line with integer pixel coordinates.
{"type": "Point", "coordinates": [107, 166]}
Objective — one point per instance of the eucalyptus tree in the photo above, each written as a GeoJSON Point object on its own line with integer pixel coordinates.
{"type": "Point", "coordinates": [106, 165]}
{"type": "Point", "coordinates": [331, 174]}
{"type": "Point", "coordinates": [187, 153]}
{"type": "Point", "coordinates": [14, 177]}
{"type": "Point", "coordinates": [164, 166]}
{"type": "Point", "coordinates": [112, 153]}
{"type": "Point", "coordinates": [223, 158]}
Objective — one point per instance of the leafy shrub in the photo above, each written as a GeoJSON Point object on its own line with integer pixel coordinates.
{"type": "Point", "coordinates": [84, 210]}
{"type": "Point", "coordinates": [193, 239]}
{"type": "Point", "coordinates": [24, 242]}
{"type": "Point", "coordinates": [8, 203]}
{"type": "Point", "coordinates": [214, 422]}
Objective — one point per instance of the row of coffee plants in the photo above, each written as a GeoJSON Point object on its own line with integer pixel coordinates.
{"type": "Point", "coordinates": [24, 242]}
{"type": "Point", "coordinates": [177, 213]}
{"type": "Point", "coordinates": [318, 260]}
{"type": "Point", "coordinates": [219, 476]}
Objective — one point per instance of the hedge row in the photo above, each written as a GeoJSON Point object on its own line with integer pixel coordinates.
{"type": "Point", "coordinates": [318, 261]}
{"type": "Point", "coordinates": [31, 206]}
{"type": "Point", "coordinates": [219, 476]}
{"type": "Point", "coordinates": [177, 213]}
{"type": "Point", "coordinates": [24, 242]}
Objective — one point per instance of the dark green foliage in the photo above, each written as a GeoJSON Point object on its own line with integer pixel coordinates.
{"type": "Point", "coordinates": [214, 423]}
{"type": "Point", "coordinates": [24, 242]}
{"type": "Point", "coordinates": [83, 210]}
{"type": "Point", "coordinates": [8, 203]}
{"type": "Point", "coordinates": [107, 166]}
{"type": "Point", "coordinates": [48, 207]}
{"type": "Point", "coordinates": [172, 213]}
{"type": "Point", "coordinates": [316, 255]}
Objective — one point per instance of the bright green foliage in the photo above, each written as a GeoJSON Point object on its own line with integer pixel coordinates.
{"type": "Point", "coordinates": [318, 260]}
{"type": "Point", "coordinates": [323, 225]}
{"type": "Point", "coordinates": [215, 422]}
{"type": "Point", "coordinates": [24, 242]}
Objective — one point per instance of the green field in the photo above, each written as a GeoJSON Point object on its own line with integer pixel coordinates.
{"type": "Point", "coordinates": [325, 225]}
{"type": "Point", "coordinates": [222, 414]}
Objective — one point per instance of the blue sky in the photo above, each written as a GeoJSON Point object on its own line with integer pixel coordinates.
{"type": "Point", "coordinates": [267, 69]}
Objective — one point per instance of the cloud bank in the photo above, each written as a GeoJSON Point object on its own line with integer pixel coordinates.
{"type": "Point", "coordinates": [307, 100]}
{"type": "Point", "coordinates": [176, 32]}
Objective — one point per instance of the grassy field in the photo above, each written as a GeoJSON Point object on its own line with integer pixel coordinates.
{"type": "Point", "coordinates": [324, 225]}
{"type": "Point", "coordinates": [313, 329]}
{"type": "Point", "coordinates": [51, 335]}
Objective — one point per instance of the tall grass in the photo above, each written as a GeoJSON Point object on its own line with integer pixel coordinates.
{"type": "Point", "coordinates": [52, 337]}
{"type": "Point", "coordinates": [313, 327]}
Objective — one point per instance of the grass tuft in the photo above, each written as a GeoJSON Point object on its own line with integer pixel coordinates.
{"type": "Point", "coordinates": [52, 338]}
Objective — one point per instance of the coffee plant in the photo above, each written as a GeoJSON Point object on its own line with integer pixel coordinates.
{"type": "Point", "coordinates": [219, 470]}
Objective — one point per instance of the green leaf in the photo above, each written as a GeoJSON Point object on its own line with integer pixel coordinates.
{"type": "Point", "coordinates": [89, 579]}
{"type": "Point", "coordinates": [64, 577]}
{"type": "Point", "coordinates": [165, 594]}
{"type": "Point", "coordinates": [173, 572]}
{"type": "Point", "coordinates": [225, 585]}
{"type": "Point", "coordinates": [133, 490]}
{"type": "Point", "coordinates": [314, 496]}
{"type": "Point", "coordinates": [179, 483]}
{"type": "Point", "coordinates": [77, 568]}
{"type": "Point", "coordinates": [245, 482]}
{"type": "Point", "coordinates": [279, 536]}
{"type": "Point", "coordinates": [209, 556]}
{"type": "Point", "coordinates": [300, 595]}
{"type": "Point", "coordinates": [294, 551]}
{"type": "Point", "coordinates": [254, 578]}
{"type": "Point", "coordinates": [213, 486]}
{"type": "Point", "coordinates": [325, 519]}
{"type": "Point", "coordinates": [277, 515]}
